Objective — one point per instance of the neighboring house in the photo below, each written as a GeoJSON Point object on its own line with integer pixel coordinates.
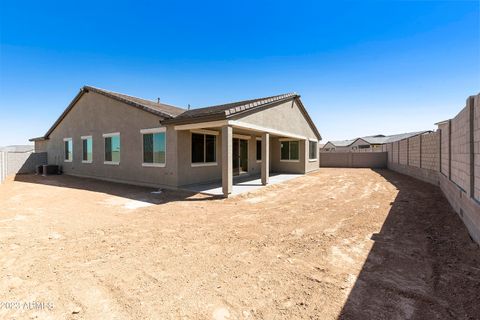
{"type": "Point", "coordinates": [367, 144]}
{"type": "Point", "coordinates": [344, 145]}
{"type": "Point", "coordinates": [18, 148]}
{"type": "Point", "coordinates": [116, 137]}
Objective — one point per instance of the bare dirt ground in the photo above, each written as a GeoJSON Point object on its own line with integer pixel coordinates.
{"type": "Point", "coordinates": [338, 243]}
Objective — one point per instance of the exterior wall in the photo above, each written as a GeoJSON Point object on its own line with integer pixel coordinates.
{"type": "Point", "coordinates": [310, 164]}
{"type": "Point", "coordinates": [285, 117]}
{"type": "Point", "coordinates": [278, 166]}
{"type": "Point", "coordinates": [94, 115]}
{"type": "Point", "coordinates": [354, 159]}
{"type": "Point", "coordinates": [190, 175]}
{"type": "Point", "coordinates": [40, 146]}
{"type": "Point", "coordinates": [449, 158]}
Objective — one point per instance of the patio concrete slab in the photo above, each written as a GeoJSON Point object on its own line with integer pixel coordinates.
{"type": "Point", "coordinates": [240, 184]}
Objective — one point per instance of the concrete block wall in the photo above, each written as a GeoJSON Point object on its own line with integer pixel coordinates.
{"type": "Point", "coordinates": [430, 158]}
{"type": "Point", "coordinates": [389, 149]}
{"type": "Point", "coordinates": [12, 163]}
{"type": "Point", "coordinates": [394, 148]}
{"type": "Point", "coordinates": [403, 152]}
{"type": "Point", "coordinates": [460, 154]}
{"type": "Point", "coordinates": [449, 158]}
{"type": "Point", "coordinates": [476, 147]}
{"type": "Point", "coordinates": [414, 151]}
{"type": "Point", "coordinates": [353, 159]}
{"type": "Point", "coordinates": [444, 129]}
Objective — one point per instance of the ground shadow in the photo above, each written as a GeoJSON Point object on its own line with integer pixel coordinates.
{"type": "Point", "coordinates": [138, 193]}
{"type": "Point", "coordinates": [423, 264]}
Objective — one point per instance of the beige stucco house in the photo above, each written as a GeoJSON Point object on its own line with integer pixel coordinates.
{"type": "Point", "coordinates": [116, 137]}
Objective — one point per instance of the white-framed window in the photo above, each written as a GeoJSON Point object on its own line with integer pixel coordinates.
{"type": "Point", "coordinates": [87, 149]}
{"type": "Point", "coordinates": [289, 150]}
{"type": "Point", "coordinates": [154, 147]}
{"type": "Point", "coordinates": [204, 148]}
{"type": "Point", "coordinates": [112, 148]}
{"type": "Point", "coordinates": [312, 150]}
{"type": "Point", "coordinates": [68, 149]}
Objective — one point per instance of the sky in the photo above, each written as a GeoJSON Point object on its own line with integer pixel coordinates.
{"type": "Point", "coordinates": [361, 67]}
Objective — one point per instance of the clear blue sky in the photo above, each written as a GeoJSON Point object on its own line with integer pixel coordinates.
{"type": "Point", "coordinates": [362, 67]}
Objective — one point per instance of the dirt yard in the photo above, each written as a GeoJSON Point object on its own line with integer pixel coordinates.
{"type": "Point", "coordinates": [339, 243]}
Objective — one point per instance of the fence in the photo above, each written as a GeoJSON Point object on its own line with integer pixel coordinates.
{"type": "Point", "coordinates": [12, 163]}
{"type": "Point", "coordinates": [353, 159]}
{"type": "Point", "coordinates": [449, 158]}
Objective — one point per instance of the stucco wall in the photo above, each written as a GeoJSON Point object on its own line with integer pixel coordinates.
{"type": "Point", "coordinates": [284, 117]}
{"type": "Point", "coordinates": [278, 166]}
{"type": "Point", "coordinates": [40, 146]}
{"type": "Point", "coordinates": [94, 115]}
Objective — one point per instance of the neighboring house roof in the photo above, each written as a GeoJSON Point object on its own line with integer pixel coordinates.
{"type": "Point", "coordinates": [392, 138]}
{"type": "Point", "coordinates": [17, 148]}
{"type": "Point", "coordinates": [174, 115]}
{"type": "Point", "coordinates": [378, 139]}
{"type": "Point", "coordinates": [341, 143]}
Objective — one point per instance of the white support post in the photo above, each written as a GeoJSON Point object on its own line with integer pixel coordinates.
{"type": "Point", "coordinates": [265, 157]}
{"type": "Point", "coordinates": [227, 160]}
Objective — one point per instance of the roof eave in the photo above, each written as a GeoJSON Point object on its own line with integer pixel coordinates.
{"type": "Point", "coordinates": [37, 139]}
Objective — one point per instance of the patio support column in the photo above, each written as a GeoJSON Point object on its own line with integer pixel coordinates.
{"type": "Point", "coordinates": [265, 157]}
{"type": "Point", "coordinates": [227, 160]}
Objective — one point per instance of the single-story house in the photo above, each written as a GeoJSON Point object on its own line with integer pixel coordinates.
{"type": "Point", "coordinates": [116, 137]}
{"type": "Point", "coordinates": [368, 143]}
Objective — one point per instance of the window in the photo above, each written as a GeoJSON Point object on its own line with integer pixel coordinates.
{"type": "Point", "coordinates": [87, 149]}
{"type": "Point", "coordinates": [259, 150]}
{"type": "Point", "coordinates": [204, 148]}
{"type": "Point", "coordinates": [154, 147]}
{"type": "Point", "coordinates": [364, 146]}
{"type": "Point", "coordinates": [289, 150]}
{"type": "Point", "coordinates": [68, 147]}
{"type": "Point", "coordinates": [112, 148]}
{"type": "Point", "coordinates": [312, 150]}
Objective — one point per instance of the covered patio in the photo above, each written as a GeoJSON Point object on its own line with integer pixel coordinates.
{"type": "Point", "coordinates": [241, 184]}
{"type": "Point", "coordinates": [245, 156]}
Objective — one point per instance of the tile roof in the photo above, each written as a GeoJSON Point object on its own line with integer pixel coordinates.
{"type": "Point", "coordinates": [342, 143]}
{"type": "Point", "coordinates": [229, 109]}
{"type": "Point", "coordinates": [378, 139]}
{"type": "Point", "coordinates": [392, 138]}
{"type": "Point", "coordinates": [172, 114]}
{"type": "Point", "coordinates": [161, 108]}
{"type": "Point", "coordinates": [17, 148]}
